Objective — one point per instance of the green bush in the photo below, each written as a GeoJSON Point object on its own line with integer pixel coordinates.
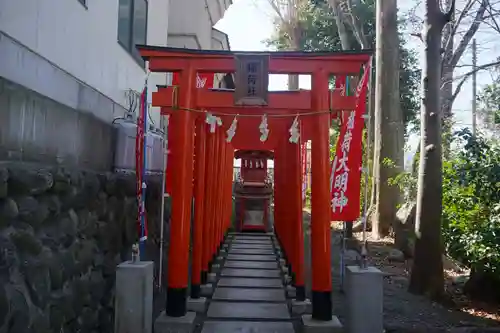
{"type": "Point", "coordinates": [471, 203]}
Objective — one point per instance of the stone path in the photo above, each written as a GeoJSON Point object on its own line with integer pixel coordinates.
{"type": "Point", "coordinates": [249, 295]}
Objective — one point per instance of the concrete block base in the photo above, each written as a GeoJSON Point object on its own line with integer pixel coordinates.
{"type": "Point", "coordinates": [364, 293]}
{"type": "Point", "coordinates": [207, 290]}
{"type": "Point", "coordinates": [301, 307]}
{"type": "Point", "coordinates": [212, 277]}
{"type": "Point", "coordinates": [290, 292]}
{"type": "Point", "coordinates": [311, 325]}
{"type": "Point", "coordinates": [287, 279]}
{"type": "Point", "coordinates": [166, 324]}
{"type": "Point", "coordinates": [134, 297]}
{"type": "Point", "coordinates": [215, 268]}
{"type": "Point", "coordinates": [198, 305]}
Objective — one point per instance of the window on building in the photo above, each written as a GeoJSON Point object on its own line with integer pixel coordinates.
{"type": "Point", "coordinates": [132, 25]}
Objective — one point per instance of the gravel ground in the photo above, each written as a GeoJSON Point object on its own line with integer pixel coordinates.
{"type": "Point", "coordinates": [403, 311]}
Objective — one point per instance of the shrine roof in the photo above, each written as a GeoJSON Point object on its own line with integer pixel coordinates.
{"type": "Point", "coordinates": [253, 153]}
{"type": "Point", "coordinates": [149, 51]}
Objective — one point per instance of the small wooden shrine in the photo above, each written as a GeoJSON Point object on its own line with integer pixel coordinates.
{"type": "Point", "coordinates": [253, 191]}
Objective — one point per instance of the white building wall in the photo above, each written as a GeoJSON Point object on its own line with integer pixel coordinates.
{"type": "Point", "coordinates": [191, 22]}
{"type": "Point", "coordinates": [64, 78]}
{"type": "Point", "coordinates": [83, 41]}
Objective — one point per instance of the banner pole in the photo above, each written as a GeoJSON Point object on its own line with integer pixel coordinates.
{"type": "Point", "coordinates": [367, 117]}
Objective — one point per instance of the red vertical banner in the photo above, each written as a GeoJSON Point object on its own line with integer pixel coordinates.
{"type": "Point", "coordinates": [345, 180]}
{"type": "Point", "coordinates": [139, 163]}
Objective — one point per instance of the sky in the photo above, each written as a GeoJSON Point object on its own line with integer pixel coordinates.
{"type": "Point", "coordinates": [249, 22]}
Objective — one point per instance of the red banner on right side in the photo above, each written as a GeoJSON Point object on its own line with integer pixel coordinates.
{"type": "Point", "coordinates": [345, 181]}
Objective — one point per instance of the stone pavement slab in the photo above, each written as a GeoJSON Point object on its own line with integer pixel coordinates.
{"type": "Point", "coordinates": [251, 294]}
{"type": "Point", "coordinates": [250, 273]}
{"type": "Point", "coordinates": [250, 283]}
{"type": "Point", "coordinates": [250, 310]}
{"type": "Point", "coordinates": [251, 264]}
{"type": "Point", "coordinates": [252, 257]}
{"type": "Point", "coordinates": [246, 327]}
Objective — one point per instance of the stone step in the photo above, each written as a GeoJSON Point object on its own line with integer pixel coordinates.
{"type": "Point", "coordinates": [250, 294]}
{"type": "Point", "coordinates": [251, 251]}
{"type": "Point", "coordinates": [251, 246]}
{"type": "Point", "coordinates": [251, 264]}
{"type": "Point", "coordinates": [250, 283]}
{"type": "Point", "coordinates": [251, 257]}
{"type": "Point", "coordinates": [256, 237]}
{"type": "Point", "coordinates": [250, 234]}
{"type": "Point", "coordinates": [246, 326]}
{"type": "Point", "coordinates": [251, 273]}
{"type": "Point", "coordinates": [252, 310]}
{"type": "Point", "coordinates": [253, 241]}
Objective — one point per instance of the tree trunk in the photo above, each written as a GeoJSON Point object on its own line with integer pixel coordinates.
{"type": "Point", "coordinates": [343, 35]}
{"type": "Point", "coordinates": [447, 87]}
{"type": "Point", "coordinates": [293, 79]}
{"type": "Point", "coordinates": [427, 271]}
{"type": "Point", "coordinates": [389, 134]}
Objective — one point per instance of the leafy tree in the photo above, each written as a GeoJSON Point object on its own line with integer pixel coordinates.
{"type": "Point", "coordinates": [326, 27]}
{"type": "Point", "coordinates": [471, 210]}
{"type": "Point", "coordinates": [319, 33]}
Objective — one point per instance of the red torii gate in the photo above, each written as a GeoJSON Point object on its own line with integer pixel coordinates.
{"type": "Point", "coordinates": [213, 158]}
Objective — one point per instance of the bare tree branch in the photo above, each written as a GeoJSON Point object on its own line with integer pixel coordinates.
{"type": "Point", "coordinates": [494, 24]}
{"type": "Point", "coordinates": [463, 78]}
{"type": "Point", "coordinates": [462, 46]}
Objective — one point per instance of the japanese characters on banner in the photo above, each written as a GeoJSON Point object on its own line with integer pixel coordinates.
{"type": "Point", "coordinates": [345, 176]}
{"type": "Point", "coordinates": [303, 149]}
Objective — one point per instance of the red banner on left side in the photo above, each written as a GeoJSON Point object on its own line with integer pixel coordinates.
{"type": "Point", "coordinates": [345, 175]}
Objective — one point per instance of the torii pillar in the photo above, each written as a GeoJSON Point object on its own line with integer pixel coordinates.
{"type": "Point", "coordinates": [182, 149]}
{"type": "Point", "coordinates": [320, 205]}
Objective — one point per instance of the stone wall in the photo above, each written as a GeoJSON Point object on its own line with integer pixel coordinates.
{"type": "Point", "coordinates": [62, 233]}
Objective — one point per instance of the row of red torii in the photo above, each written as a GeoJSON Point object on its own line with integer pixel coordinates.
{"type": "Point", "coordinates": [198, 153]}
